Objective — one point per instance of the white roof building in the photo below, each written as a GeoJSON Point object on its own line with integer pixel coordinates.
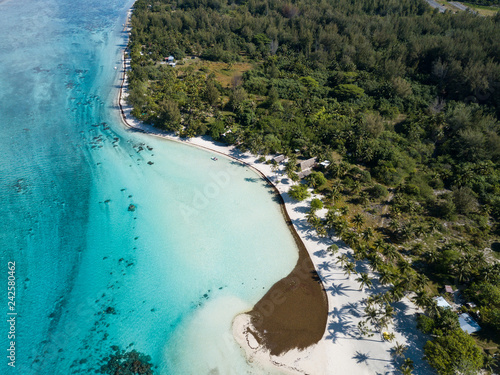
{"type": "Point", "coordinates": [441, 302]}
{"type": "Point", "coordinates": [468, 324]}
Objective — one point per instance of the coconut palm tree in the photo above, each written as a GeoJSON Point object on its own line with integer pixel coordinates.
{"type": "Point", "coordinates": [349, 268]}
{"type": "Point", "coordinates": [406, 232]}
{"type": "Point", "coordinates": [378, 244]}
{"type": "Point", "coordinates": [419, 231]}
{"type": "Point", "coordinates": [489, 362]}
{"type": "Point", "coordinates": [390, 253]}
{"type": "Point", "coordinates": [351, 238]}
{"type": "Point", "coordinates": [397, 292]}
{"type": "Point", "coordinates": [376, 263]}
{"type": "Point", "coordinates": [405, 370]}
{"type": "Point", "coordinates": [386, 276]}
{"type": "Point", "coordinates": [421, 281]}
{"type": "Point", "coordinates": [388, 312]}
{"type": "Point", "coordinates": [367, 234]}
{"type": "Point", "coordinates": [364, 281]}
{"type": "Point", "coordinates": [331, 218]}
{"type": "Point", "coordinates": [343, 259]}
{"type": "Point", "coordinates": [358, 220]}
{"type": "Point", "coordinates": [364, 198]}
{"type": "Point", "coordinates": [311, 216]}
{"type": "Point", "coordinates": [356, 186]}
{"type": "Point", "coordinates": [405, 267]}
{"type": "Point", "coordinates": [432, 256]}
{"type": "Point", "coordinates": [395, 226]}
{"type": "Point", "coordinates": [422, 299]}
{"type": "Point", "coordinates": [398, 350]}
{"type": "Point", "coordinates": [371, 315]}
{"type": "Point", "coordinates": [360, 252]}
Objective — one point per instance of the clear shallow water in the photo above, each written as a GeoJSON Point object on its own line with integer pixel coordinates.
{"type": "Point", "coordinates": [205, 242]}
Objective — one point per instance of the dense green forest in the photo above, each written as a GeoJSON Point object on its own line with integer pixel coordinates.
{"type": "Point", "coordinates": [402, 100]}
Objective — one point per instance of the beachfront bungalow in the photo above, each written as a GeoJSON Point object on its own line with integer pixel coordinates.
{"type": "Point", "coordinates": [307, 164]}
{"type": "Point", "coordinates": [467, 324]}
{"type": "Point", "coordinates": [279, 158]}
{"type": "Point", "coordinates": [304, 174]}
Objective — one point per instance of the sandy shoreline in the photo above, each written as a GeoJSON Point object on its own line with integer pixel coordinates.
{"type": "Point", "coordinates": [339, 350]}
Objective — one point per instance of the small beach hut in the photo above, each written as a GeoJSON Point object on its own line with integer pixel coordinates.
{"type": "Point", "coordinates": [307, 164]}
{"type": "Point", "coordinates": [448, 289]}
{"type": "Point", "coordinates": [279, 158]}
{"type": "Point", "coordinates": [304, 174]}
{"type": "Point", "coordinates": [467, 324]}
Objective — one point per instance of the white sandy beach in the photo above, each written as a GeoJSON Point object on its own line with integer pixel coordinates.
{"type": "Point", "coordinates": [341, 350]}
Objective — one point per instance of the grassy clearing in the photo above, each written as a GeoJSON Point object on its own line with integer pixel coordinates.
{"type": "Point", "coordinates": [488, 11]}
{"type": "Point", "coordinates": [224, 73]}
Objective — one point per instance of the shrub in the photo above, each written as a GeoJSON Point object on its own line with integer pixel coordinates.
{"type": "Point", "coordinates": [316, 204]}
{"type": "Point", "coordinates": [378, 191]}
{"type": "Point", "coordinates": [453, 353]}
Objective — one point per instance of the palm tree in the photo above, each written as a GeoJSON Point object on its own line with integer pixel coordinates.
{"type": "Point", "coordinates": [386, 276]}
{"type": "Point", "coordinates": [489, 362]}
{"type": "Point", "coordinates": [407, 232]}
{"type": "Point", "coordinates": [371, 315]}
{"type": "Point", "coordinates": [321, 230]}
{"type": "Point", "coordinates": [405, 267]}
{"type": "Point", "coordinates": [395, 226]}
{"type": "Point", "coordinates": [364, 281]}
{"type": "Point", "coordinates": [419, 231]}
{"type": "Point", "coordinates": [351, 238]}
{"type": "Point", "coordinates": [462, 269]}
{"type": "Point", "coordinates": [433, 225]}
{"type": "Point", "coordinates": [344, 210]}
{"type": "Point", "coordinates": [388, 311]}
{"type": "Point", "coordinates": [342, 260]}
{"type": "Point", "coordinates": [367, 234]}
{"type": "Point", "coordinates": [361, 252]}
{"type": "Point", "coordinates": [330, 218]}
{"type": "Point", "coordinates": [422, 299]}
{"type": "Point", "coordinates": [349, 268]}
{"type": "Point", "coordinates": [358, 220]}
{"type": "Point", "coordinates": [390, 252]}
{"type": "Point", "coordinates": [364, 198]}
{"type": "Point", "coordinates": [376, 263]}
{"type": "Point", "coordinates": [311, 216]}
{"type": "Point", "coordinates": [405, 370]}
{"type": "Point", "coordinates": [421, 281]}
{"type": "Point", "coordinates": [356, 186]}
{"type": "Point", "coordinates": [397, 292]}
{"type": "Point", "coordinates": [398, 350]}
{"type": "Point", "coordinates": [432, 256]}
{"type": "Point", "coordinates": [378, 244]}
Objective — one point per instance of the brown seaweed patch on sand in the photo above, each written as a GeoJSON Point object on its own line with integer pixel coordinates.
{"type": "Point", "coordinates": [293, 313]}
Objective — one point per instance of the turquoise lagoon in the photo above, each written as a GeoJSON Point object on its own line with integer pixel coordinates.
{"type": "Point", "coordinates": [206, 239]}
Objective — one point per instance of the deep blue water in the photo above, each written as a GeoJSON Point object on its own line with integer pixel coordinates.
{"type": "Point", "coordinates": [205, 242]}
